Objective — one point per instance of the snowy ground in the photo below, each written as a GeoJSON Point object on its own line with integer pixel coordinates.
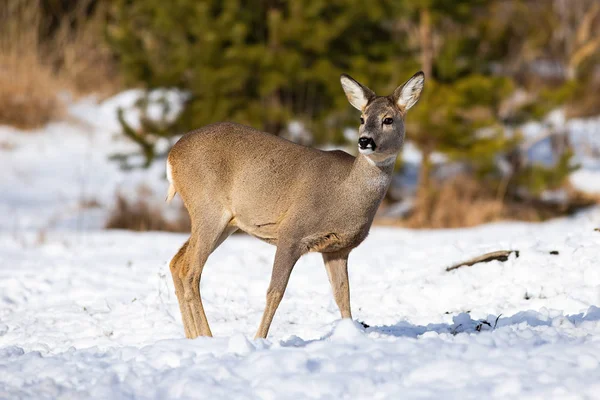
{"type": "Point", "coordinates": [87, 313]}
{"type": "Point", "coordinates": [93, 315]}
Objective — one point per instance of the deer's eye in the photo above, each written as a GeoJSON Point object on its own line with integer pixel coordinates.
{"type": "Point", "coordinates": [362, 120]}
{"type": "Point", "coordinates": [388, 121]}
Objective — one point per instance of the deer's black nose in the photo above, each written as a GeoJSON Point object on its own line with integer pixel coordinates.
{"type": "Point", "coordinates": [366, 143]}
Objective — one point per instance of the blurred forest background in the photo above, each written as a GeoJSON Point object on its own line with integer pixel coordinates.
{"type": "Point", "coordinates": [490, 66]}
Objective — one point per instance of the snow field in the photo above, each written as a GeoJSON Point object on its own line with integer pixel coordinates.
{"type": "Point", "coordinates": [94, 315]}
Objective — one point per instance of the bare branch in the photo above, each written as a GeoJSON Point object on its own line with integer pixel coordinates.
{"type": "Point", "coordinates": [500, 255]}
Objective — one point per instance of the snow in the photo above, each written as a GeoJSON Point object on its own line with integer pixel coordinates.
{"type": "Point", "coordinates": [90, 313]}
{"type": "Point", "coordinates": [587, 179]}
{"type": "Point", "coordinates": [94, 315]}
{"type": "Point", "coordinates": [584, 136]}
{"type": "Point", "coordinates": [51, 175]}
{"type": "Point", "coordinates": [162, 105]}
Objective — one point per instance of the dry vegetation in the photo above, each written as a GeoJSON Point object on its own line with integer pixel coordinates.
{"type": "Point", "coordinates": [460, 202]}
{"type": "Point", "coordinates": [464, 202]}
{"type": "Point", "coordinates": [587, 103]}
{"type": "Point", "coordinates": [143, 214]}
{"type": "Point", "coordinates": [36, 67]}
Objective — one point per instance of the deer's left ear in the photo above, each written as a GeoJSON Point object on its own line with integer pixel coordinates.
{"type": "Point", "coordinates": [405, 96]}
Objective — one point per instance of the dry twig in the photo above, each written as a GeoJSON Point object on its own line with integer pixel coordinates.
{"type": "Point", "coordinates": [500, 255]}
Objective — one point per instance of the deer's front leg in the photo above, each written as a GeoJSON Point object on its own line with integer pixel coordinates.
{"type": "Point", "coordinates": [285, 259]}
{"type": "Point", "coordinates": [336, 265]}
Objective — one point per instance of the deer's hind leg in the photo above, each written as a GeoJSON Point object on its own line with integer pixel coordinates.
{"type": "Point", "coordinates": [186, 314]}
{"type": "Point", "coordinates": [208, 232]}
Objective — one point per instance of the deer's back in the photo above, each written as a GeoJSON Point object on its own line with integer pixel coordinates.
{"type": "Point", "coordinates": [256, 176]}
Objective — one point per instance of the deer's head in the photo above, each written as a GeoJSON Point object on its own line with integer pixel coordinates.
{"type": "Point", "coordinates": [381, 131]}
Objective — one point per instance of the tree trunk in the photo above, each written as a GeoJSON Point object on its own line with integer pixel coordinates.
{"type": "Point", "coordinates": [425, 172]}
{"type": "Point", "coordinates": [273, 123]}
{"type": "Point", "coordinates": [424, 199]}
{"type": "Point", "coordinates": [426, 42]}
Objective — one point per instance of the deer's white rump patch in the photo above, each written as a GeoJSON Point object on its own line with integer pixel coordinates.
{"type": "Point", "coordinates": [169, 172]}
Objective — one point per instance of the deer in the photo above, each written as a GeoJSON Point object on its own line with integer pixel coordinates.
{"type": "Point", "coordinates": [298, 198]}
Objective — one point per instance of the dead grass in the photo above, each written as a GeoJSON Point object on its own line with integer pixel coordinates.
{"type": "Point", "coordinates": [458, 203]}
{"type": "Point", "coordinates": [586, 104]}
{"type": "Point", "coordinates": [463, 202]}
{"type": "Point", "coordinates": [144, 215]}
{"type": "Point", "coordinates": [28, 86]}
{"type": "Point", "coordinates": [35, 69]}
{"type": "Point", "coordinates": [27, 94]}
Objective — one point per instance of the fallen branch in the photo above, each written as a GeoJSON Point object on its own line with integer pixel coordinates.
{"type": "Point", "coordinates": [496, 323]}
{"type": "Point", "coordinates": [500, 255]}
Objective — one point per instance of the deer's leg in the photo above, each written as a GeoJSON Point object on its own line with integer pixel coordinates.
{"type": "Point", "coordinates": [285, 259]}
{"type": "Point", "coordinates": [336, 265]}
{"type": "Point", "coordinates": [176, 265]}
{"type": "Point", "coordinates": [207, 235]}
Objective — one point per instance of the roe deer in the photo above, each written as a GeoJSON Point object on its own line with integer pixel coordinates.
{"type": "Point", "coordinates": [298, 198]}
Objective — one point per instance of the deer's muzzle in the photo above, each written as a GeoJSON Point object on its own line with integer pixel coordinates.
{"type": "Point", "coordinates": [366, 143]}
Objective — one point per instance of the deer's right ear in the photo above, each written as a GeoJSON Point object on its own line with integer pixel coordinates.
{"type": "Point", "coordinates": [357, 94]}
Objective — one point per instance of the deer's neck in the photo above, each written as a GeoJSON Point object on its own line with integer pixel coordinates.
{"type": "Point", "coordinates": [369, 181]}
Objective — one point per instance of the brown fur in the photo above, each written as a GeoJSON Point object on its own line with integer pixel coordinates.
{"type": "Point", "coordinates": [298, 198]}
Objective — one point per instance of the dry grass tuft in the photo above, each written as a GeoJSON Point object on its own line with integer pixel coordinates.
{"type": "Point", "coordinates": [458, 203]}
{"type": "Point", "coordinates": [464, 202]}
{"type": "Point", "coordinates": [28, 86]}
{"type": "Point", "coordinates": [586, 104]}
{"type": "Point", "coordinates": [144, 215]}
{"type": "Point", "coordinates": [27, 93]}
{"type": "Point", "coordinates": [34, 68]}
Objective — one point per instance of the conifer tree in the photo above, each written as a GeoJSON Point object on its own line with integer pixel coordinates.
{"type": "Point", "coordinates": [264, 63]}
{"type": "Point", "coordinates": [254, 62]}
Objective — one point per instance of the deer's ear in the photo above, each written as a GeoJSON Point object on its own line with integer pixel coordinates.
{"type": "Point", "coordinates": [405, 96]}
{"type": "Point", "coordinates": [357, 94]}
